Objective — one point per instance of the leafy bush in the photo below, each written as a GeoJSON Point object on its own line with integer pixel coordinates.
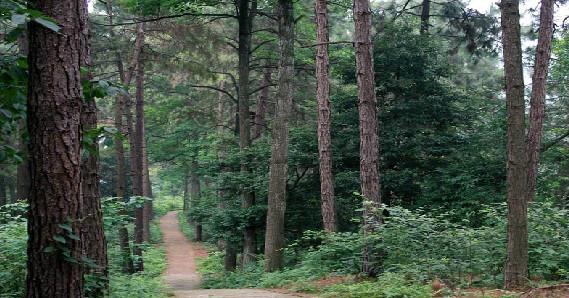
{"type": "Point", "coordinates": [387, 286]}
{"type": "Point", "coordinates": [164, 204]}
{"type": "Point", "coordinates": [13, 243]}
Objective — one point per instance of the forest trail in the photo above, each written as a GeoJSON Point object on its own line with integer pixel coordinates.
{"type": "Point", "coordinates": [182, 275]}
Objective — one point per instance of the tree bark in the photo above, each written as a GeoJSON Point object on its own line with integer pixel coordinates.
{"type": "Point", "coordinates": [246, 11]}
{"type": "Point", "coordinates": [146, 187]}
{"type": "Point", "coordinates": [128, 265]}
{"type": "Point", "coordinates": [186, 194]}
{"type": "Point", "coordinates": [3, 194]}
{"type": "Point", "coordinates": [195, 193]}
{"type": "Point", "coordinates": [425, 16]}
{"type": "Point", "coordinates": [92, 232]}
{"type": "Point", "coordinates": [274, 237]}
{"type": "Point", "coordinates": [55, 99]}
{"type": "Point", "coordinates": [369, 147]}
{"type": "Point", "coordinates": [260, 112]}
{"type": "Point", "coordinates": [324, 122]}
{"type": "Point", "coordinates": [537, 101]}
{"type": "Point", "coordinates": [22, 171]}
{"type": "Point", "coordinates": [516, 267]}
{"type": "Point", "coordinates": [137, 166]}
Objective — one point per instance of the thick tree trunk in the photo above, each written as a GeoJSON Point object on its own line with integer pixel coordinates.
{"type": "Point", "coordinates": [260, 112]}
{"type": "Point", "coordinates": [369, 147]}
{"type": "Point", "coordinates": [92, 232]}
{"type": "Point", "coordinates": [537, 102]}
{"type": "Point", "coordinates": [246, 12]}
{"type": "Point", "coordinates": [137, 166]}
{"type": "Point", "coordinates": [324, 122]}
{"type": "Point", "coordinates": [274, 237]}
{"type": "Point", "coordinates": [55, 100]}
{"type": "Point", "coordinates": [425, 16]}
{"type": "Point", "coordinates": [516, 267]}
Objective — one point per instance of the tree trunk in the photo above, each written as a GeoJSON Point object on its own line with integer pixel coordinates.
{"type": "Point", "coordinates": [516, 267]}
{"type": "Point", "coordinates": [186, 194]}
{"type": "Point", "coordinates": [324, 122]}
{"type": "Point", "coordinates": [369, 147]}
{"type": "Point", "coordinates": [195, 192]}
{"type": "Point", "coordinates": [537, 101]}
{"type": "Point", "coordinates": [22, 171]}
{"type": "Point", "coordinates": [3, 194]}
{"type": "Point", "coordinates": [137, 166]}
{"type": "Point", "coordinates": [274, 237]}
{"type": "Point", "coordinates": [128, 265]}
{"type": "Point", "coordinates": [12, 190]}
{"type": "Point", "coordinates": [55, 99]}
{"type": "Point", "coordinates": [230, 258]}
{"type": "Point", "coordinates": [146, 187]}
{"type": "Point", "coordinates": [92, 232]}
{"type": "Point", "coordinates": [425, 16]}
{"type": "Point", "coordinates": [262, 104]}
{"type": "Point", "coordinates": [245, 16]}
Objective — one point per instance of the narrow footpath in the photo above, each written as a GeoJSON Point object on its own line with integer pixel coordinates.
{"type": "Point", "coordinates": [182, 274]}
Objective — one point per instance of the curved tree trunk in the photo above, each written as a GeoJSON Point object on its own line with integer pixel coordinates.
{"type": "Point", "coordinates": [516, 267]}
{"type": "Point", "coordinates": [329, 217]}
{"type": "Point", "coordinates": [55, 100]}
{"type": "Point", "coordinates": [369, 147]}
{"type": "Point", "coordinates": [274, 237]}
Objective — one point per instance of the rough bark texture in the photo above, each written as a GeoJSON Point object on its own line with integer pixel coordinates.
{"type": "Point", "coordinates": [369, 147]}
{"type": "Point", "coordinates": [537, 101]}
{"type": "Point", "coordinates": [55, 99]}
{"type": "Point", "coordinates": [516, 267]}
{"type": "Point", "coordinates": [246, 12]}
{"type": "Point", "coordinates": [92, 233]}
{"type": "Point", "coordinates": [425, 16]}
{"type": "Point", "coordinates": [260, 112]}
{"type": "Point", "coordinates": [323, 98]}
{"type": "Point", "coordinates": [128, 265]}
{"type": "Point", "coordinates": [274, 237]}
{"type": "Point", "coordinates": [137, 166]}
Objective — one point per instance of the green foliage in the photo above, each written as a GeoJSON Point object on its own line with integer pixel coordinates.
{"type": "Point", "coordinates": [13, 243]}
{"type": "Point", "coordinates": [388, 285]}
{"type": "Point", "coordinates": [164, 204]}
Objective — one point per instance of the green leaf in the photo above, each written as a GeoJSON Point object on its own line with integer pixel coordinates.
{"type": "Point", "coordinates": [66, 227]}
{"type": "Point", "coordinates": [19, 19]}
{"type": "Point", "coordinates": [59, 239]}
{"type": "Point", "coordinates": [48, 23]}
{"type": "Point", "coordinates": [74, 237]}
{"type": "Point", "coordinates": [49, 249]}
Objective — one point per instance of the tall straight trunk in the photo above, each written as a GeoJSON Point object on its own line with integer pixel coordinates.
{"type": "Point", "coordinates": [195, 192]}
{"type": "Point", "coordinates": [537, 101]}
{"type": "Point", "coordinates": [425, 16]}
{"type": "Point", "coordinates": [516, 267]}
{"type": "Point", "coordinates": [324, 122]}
{"type": "Point", "coordinates": [55, 99]}
{"type": "Point", "coordinates": [274, 236]}
{"type": "Point", "coordinates": [92, 232]}
{"type": "Point", "coordinates": [260, 112]}
{"type": "Point", "coordinates": [128, 265]}
{"type": "Point", "coordinates": [3, 194]}
{"type": "Point", "coordinates": [246, 12]}
{"type": "Point", "coordinates": [146, 191]}
{"type": "Point", "coordinates": [137, 165]}
{"type": "Point", "coordinates": [369, 147]}
{"type": "Point", "coordinates": [186, 194]}
{"type": "Point", "coordinates": [22, 170]}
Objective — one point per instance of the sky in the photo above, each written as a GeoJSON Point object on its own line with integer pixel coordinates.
{"type": "Point", "coordinates": [483, 6]}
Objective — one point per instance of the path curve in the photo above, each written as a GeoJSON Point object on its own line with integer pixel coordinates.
{"type": "Point", "coordinates": [181, 274]}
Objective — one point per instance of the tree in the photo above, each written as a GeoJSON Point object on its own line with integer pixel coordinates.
{"type": "Point", "coordinates": [369, 151]}
{"type": "Point", "coordinates": [515, 272]}
{"type": "Point", "coordinates": [55, 100]}
{"type": "Point", "coordinates": [274, 236]}
{"type": "Point", "coordinates": [246, 11]}
{"type": "Point", "coordinates": [425, 16]}
{"type": "Point", "coordinates": [329, 217]}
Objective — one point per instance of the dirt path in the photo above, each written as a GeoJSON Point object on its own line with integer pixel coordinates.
{"type": "Point", "coordinates": [182, 275]}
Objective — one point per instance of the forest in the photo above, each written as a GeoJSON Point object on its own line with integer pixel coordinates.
{"type": "Point", "coordinates": [284, 148]}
